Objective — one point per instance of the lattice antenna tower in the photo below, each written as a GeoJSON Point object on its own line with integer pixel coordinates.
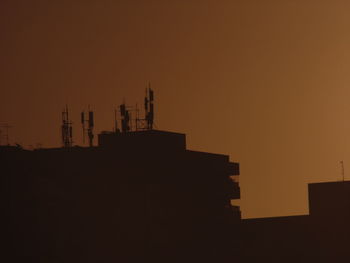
{"type": "Point", "coordinates": [66, 129]}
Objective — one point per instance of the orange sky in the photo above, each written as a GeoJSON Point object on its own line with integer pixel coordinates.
{"type": "Point", "coordinates": [266, 82]}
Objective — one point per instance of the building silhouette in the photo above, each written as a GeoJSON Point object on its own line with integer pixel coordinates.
{"type": "Point", "coordinates": [321, 236]}
{"type": "Point", "coordinates": [139, 196]}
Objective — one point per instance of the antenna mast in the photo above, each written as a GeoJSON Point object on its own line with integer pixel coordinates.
{"type": "Point", "coordinates": [90, 126]}
{"type": "Point", "coordinates": [342, 170]}
{"type": "Point", "coordinates": [66, 129]}
{"type": "Point", "coordinates": [149, 108]}
{"type": "Point", "coordinates": [116, 129]}
{"type": "Point", "coordinates": [125, 118]}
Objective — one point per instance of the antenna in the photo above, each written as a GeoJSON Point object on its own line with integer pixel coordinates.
{"type": "Point", "coordinates": [136, 117]}
{"type": "Point", "coordinates": [149, 107]}
{"type": "Point", "coordinates": [130, 119]}
{"type": "Point", "coordinates": [146, 103]}
{"type": "Point", "coordinates": [125, 118]}
{"type": "Point", "coordinates": [83, 124]}
{"type": "Point", "coordinates": [122, 113]}
{"type": "Point", "coordinates": [116, 130]}
{"type": "Point", "coordinates": [151, 112]}
{"type": "Point", "coordinates": [90, 126]}
{"type": "Point", "coordinates": [66, 129]}
{"type": "Point", "coordinates": [342, 170]}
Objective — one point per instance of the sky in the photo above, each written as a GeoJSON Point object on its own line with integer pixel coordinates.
{"type": "Point", "coordinates": [265, 82]}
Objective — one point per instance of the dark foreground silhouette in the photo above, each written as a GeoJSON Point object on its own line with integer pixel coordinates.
{"type": "Point", "coordinates": [142, 197]}
{"type": "Point", "coordinates": [137, 197]}
{"type": "Point", "coordinates": [322, 236]}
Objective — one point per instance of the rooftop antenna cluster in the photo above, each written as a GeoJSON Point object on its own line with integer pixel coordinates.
{"type": "Point", "coordinates": [137, 124]}
{"type": "Point", "coordinates": [66, 129]}
{"type": "Point", "coordinates": [90, 126]}
{"type": "Point", "coordinates": [127, 123]}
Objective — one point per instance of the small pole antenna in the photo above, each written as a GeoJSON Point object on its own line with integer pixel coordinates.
{"type": "Point", "coordinates": [83, 124]}
{"type": "Point", "coordinates": [115, 121]}
{"type": "Point", "coordinates": [91, 125]}
{"type": "Point", "coordinates": [342, 170]}
{"type": "Point", "coordinates": [136, 117]}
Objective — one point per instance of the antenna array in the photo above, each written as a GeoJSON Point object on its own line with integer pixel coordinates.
{"type": "Point", "coordinates": [128, 123]}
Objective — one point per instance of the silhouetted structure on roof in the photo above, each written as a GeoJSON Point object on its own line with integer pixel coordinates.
{"type": "Point", "coordinates": [137, 123]}
{"type": "Point", "coordinates": [90, 126]}
{"type": "Point", "coordinates": [66, 129]}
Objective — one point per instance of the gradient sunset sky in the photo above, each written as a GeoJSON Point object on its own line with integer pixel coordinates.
{"type": "Point", "coordinates": [266, 82]}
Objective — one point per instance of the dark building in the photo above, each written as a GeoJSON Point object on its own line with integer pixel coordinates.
{"type": "Point", "coordinates": [137, 197]}
{"type": "Point", "coordinates": [141, 196]}
{"type": "Point", "coordinates": [321, 236]}
{"type": "Point", "coordinates": [330, 201]}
